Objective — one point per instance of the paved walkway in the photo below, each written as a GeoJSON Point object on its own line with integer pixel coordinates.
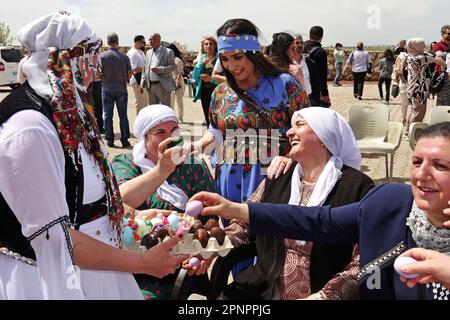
{"type": "Point", "coordinates": [342, 99]}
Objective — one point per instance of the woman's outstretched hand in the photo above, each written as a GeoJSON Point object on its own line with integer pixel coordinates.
{"type": "Point", "coordinates": [215, 205]}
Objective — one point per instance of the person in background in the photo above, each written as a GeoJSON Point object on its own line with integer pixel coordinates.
{"type": "Point", "coordinates": [157, 76]}
{"type": "Point", "coordinates": [309, 67]}
{"type": "Point", "coordinates": [386, 69]}
{"type": "Point", "coordinates": [441, 49]}
{"type": "Point", "coordinates": [203, 74]}
{"type": "Point", "coordinates": [137, 59]}
{"type": "Point", "coordinates": [401, 47]}
{"type": "Point", "coordinates": [339, 56]}
{"type": "Point", "coordinates": [115, 72]}
{"type": "Point", "coordinates": [313, 48]}
{"type": "Point", "coordinates": [282, 53]}
{"type": "Point", "coordinates": [178, 94]}
{"type": "Point", "coordinates": [400, 76]}
{"type": "Point", "coordinates": [217, 74]}
{"type": "Point", "coordinates": [360, 62]}
{"type": "Point", "coordinates": [417, 62]}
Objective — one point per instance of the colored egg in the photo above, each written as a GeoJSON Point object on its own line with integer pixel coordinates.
{"type": "Point", "coordinates": [127, 236]}
{"type": "Point", "coordinates": [194, 262]}
{"type": "Point", "coordinates": [161, 233]}
{"type": "Point", "coordinates": [144, 227]}
{"type": "Point", "coordinates": [400, 262]}
{"type": "Point", "coordinates": [174, 221]}
{"type": "Point", "coordinates": [180, 231]}
{"type": "Point", "coordinates": [197, 225]}
{"type": "Point", "coordinates": [202, 236]}
{"type": "Point", "coordinates": [194, 208]}
{"type": "Point", "coordinates": [219, 234]}
{"type": "Point", "coordinates": [156, 221]}
{"type": "Point", "coordinates": [211, 224]}
{"type": "Point", "coordinates": [149, 240]}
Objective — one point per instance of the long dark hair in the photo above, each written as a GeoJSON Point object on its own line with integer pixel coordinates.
{"type": "Point", "coordinates": [261, 64]}
{"type": "Point", "coordinates": [176, 51]}
{"type": "Point", "coordinates": [389, 54]}
{"type": "Point", "coordinates": [278, 50]}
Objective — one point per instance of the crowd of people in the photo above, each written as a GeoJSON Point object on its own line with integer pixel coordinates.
{"type": "Point", "coordinates": [320, 226]}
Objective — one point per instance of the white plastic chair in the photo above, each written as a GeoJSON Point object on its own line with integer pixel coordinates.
{"type": "Point", "coordinates": [371, 126]}
{"type": "Point", "coordinates": [437, 114]}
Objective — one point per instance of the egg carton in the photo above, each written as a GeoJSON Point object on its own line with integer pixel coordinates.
{"type": "Point", "coordinates": [135, 246]}
{"type": "Point", "coordinates": [193, 247]}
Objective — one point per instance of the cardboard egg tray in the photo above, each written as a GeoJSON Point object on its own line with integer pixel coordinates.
{"type": "Point", "coordinates": [190, 246]}
{"type": "Point", "coordinates": [193, 247]}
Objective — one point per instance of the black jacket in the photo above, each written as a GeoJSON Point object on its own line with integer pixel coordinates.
{"type": "Point", "coordinates": [319, 56]}
{"type": "Point", "coordinates": [315, 81]}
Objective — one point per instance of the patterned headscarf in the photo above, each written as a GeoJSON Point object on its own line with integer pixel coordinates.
{"type": "Point", "coordinates": [63, 52]}
{"type": "Point", "coordinates": [415, 46]}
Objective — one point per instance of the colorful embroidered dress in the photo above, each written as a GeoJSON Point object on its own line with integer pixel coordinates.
{"type": "Point", "coordinates": [191, 178]}
{"type": "Point", "coordinates": [279, 97]}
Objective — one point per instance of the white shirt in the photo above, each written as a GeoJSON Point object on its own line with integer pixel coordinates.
{"type": "Point", "coordinates": [32, 174]}
{"type": "Point", "coordinates": [307, 76]}
{"type": "Point", "coordinates": [359, 60]}
{"type": "Point", "coordinates": [218, 66]}
{"type": "Point", "coordinates": [137, 59]}
{"type": "Point", "coordinates": [447, 61]}
{"type": "Point", "coordinates": [156, 53]}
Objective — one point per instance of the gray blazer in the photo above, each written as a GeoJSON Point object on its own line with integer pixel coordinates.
{"type": "Point", "coordinates": [165, 67]}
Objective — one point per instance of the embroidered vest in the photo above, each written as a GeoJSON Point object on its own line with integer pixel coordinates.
{"type": "Point", "coordinates": [11, 235]}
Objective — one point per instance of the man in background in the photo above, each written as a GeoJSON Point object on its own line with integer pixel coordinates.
{"type": "Point", "coordinates": [116, 72]}
{"type": "Point", "coordinates": [157, 76]}
{"type": "Point", "coordinates": [313, 48]}
{"type": "Point", "coordinates": [137, 60]}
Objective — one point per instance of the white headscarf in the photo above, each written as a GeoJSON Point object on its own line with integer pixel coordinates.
{"type": "Point", "coordinates": [148, 118]}
{"type": "Point", "coordinates": [59, 30]}
{"type": "Point", "coordinates": [337, 136]}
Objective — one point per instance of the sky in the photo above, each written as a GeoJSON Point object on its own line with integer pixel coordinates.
{"type": "Point", "coordinates": [375, 22]}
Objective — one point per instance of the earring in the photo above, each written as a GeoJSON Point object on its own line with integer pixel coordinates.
{"type": "Point", "coordinates": [322, 145]}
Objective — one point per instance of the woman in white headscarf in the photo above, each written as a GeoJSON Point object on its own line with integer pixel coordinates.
{"type": "Point", "coordinates": [326, 173]}
{"type": "Point", "coordinates": [151, 179]}
{"type": "Point", "coordinates": [417, 62]}
{"type": "Point", "coordinates": [60, 205]}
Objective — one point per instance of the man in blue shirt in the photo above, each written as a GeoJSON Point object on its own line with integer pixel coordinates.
{"type": "Point", "coordinates": [116, 72]}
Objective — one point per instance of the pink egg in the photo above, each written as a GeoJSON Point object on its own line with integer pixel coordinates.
{"type": "Point", "coordinates": [180, 231]}
{"type": "Point", "coordinates": [194, 262]}
{"type": "Point", "coordinates": [194, 208]}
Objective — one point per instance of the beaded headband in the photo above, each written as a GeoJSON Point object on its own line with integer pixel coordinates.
{"type": "Point", "coordinates": [238, 43]}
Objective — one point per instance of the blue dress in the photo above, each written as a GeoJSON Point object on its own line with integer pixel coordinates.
{"type": "Point", "coordinates": [278, 97]}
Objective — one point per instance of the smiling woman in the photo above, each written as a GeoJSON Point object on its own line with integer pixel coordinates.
{"type": "Point", "coordinates": [389, 220]}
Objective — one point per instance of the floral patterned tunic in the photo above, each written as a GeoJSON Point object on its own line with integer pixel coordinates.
{"type": "Point", "coordinates": [279, 97]}
{"type": "Point", "coordinates": [191, 178]}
